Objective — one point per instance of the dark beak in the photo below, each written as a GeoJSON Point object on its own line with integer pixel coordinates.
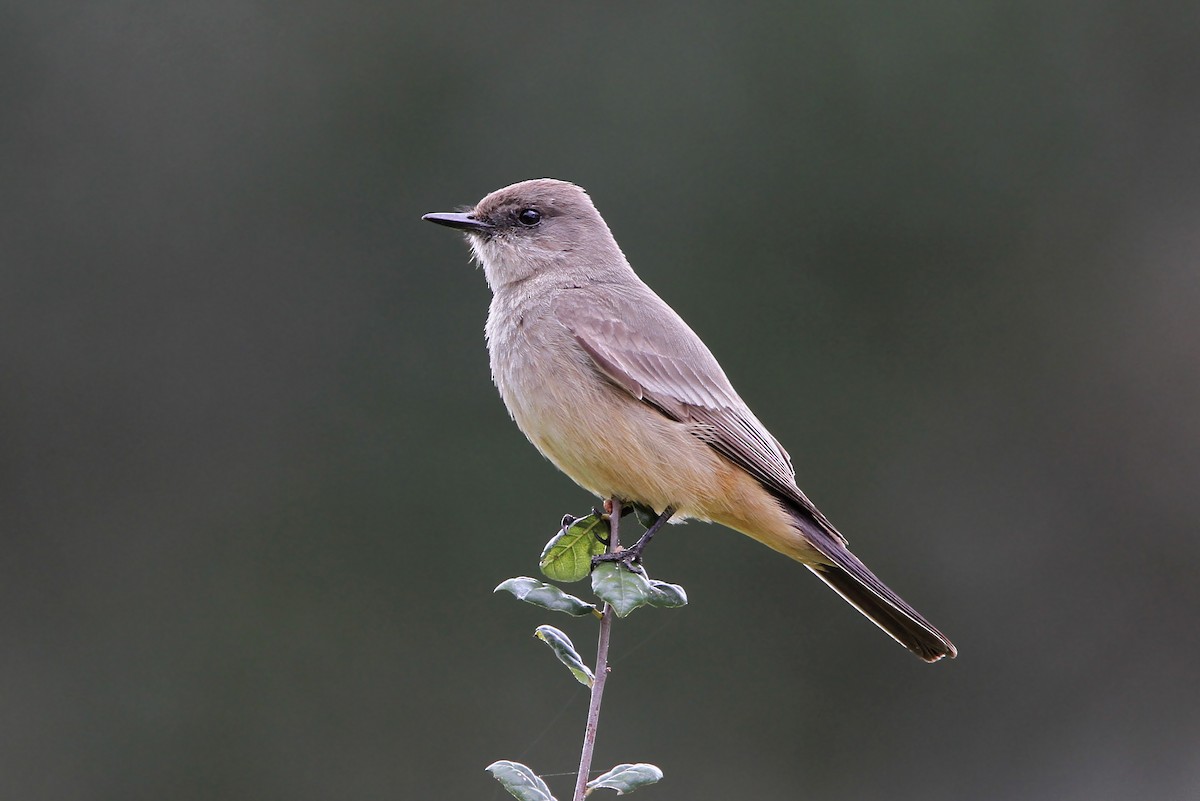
{"type": "Point", "coordinates": [464, 222]}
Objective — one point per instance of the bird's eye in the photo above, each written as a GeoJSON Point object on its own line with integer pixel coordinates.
{"type": "Point", "coordinates": [529, 217]}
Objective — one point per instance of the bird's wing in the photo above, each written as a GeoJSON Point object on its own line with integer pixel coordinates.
{"type": "Point", "coordinates": [641, 345]}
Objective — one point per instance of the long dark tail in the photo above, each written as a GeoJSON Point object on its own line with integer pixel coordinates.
{"type": "Point", "coordinates": [852, 580]}
{"type": "Point", "coordinates": [887, 610]}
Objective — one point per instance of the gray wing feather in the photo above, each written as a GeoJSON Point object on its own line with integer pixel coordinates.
{"type": "Point", "coordinates": [645, 348]}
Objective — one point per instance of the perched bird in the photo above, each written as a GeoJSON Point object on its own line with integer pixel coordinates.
{"type": "Point", "coordinates": [612, 386]}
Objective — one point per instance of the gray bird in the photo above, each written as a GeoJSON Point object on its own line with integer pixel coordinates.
{"type": "Point", "coordinates": [615, 389]}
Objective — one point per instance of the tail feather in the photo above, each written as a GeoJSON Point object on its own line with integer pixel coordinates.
{"type": "Point", "coordinates": [888, 611]}
{"type": "Point", "coordinates": [855, 582]}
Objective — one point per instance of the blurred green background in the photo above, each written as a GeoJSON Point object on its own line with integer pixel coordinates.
{"type": "Point", "coordinates": [256, 486]}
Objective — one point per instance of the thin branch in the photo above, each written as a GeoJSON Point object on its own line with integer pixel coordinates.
{"type": "Point", "coordinates": [601, 672]}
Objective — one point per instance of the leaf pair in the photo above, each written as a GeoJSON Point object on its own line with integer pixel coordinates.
{"type": "Point", "coordinates": [526, 785]}
{"type": "Point", "coordinates": [623, 589]}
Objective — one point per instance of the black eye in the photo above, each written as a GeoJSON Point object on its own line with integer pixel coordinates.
{"type": "Point", "coordinates": [529, 217]}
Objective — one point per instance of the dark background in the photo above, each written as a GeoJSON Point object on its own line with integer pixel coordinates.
{"type": "Point", "coordinates": [256, 486]}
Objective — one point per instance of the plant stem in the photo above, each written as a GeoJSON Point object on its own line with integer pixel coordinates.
{"type": "Point", "coordinates": [601, 672]}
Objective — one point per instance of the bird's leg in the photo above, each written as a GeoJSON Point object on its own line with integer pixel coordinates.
{"type": "Point", "coordinates": [626, 508]}
{"type": "Point", "coordinates": [633, 554]}
{"type": "Point", "coordinates": [644, 540]}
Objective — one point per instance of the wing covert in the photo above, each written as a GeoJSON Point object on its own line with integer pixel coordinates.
{"type": "Point", "coordinates": [669, 367]}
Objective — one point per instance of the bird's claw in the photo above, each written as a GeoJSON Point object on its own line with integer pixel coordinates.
{"type": "Point", "coordinates": [630, 558]}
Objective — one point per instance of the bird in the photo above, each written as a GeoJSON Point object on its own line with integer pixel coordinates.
{"type": "Point", "coordinates": [610, 384]}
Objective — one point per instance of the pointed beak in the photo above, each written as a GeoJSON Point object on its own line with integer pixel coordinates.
{"type": "Point", "coordinates": [464, 222]}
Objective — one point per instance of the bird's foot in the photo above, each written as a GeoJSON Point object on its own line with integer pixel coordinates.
{"type": "Point", "coordinates": [632, 557]}
{"type": "Point", "coordinates": [629, 558]}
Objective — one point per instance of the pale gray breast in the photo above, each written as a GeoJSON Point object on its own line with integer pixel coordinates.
{"type": "Point", "coordinates": [536, 363]}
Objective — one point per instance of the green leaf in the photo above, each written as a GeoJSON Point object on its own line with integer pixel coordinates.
{"type": "Point", "coordinates": [519, 780]}
{"type": "Point", "coordinates": [666, 596]}
{"type": "Point", "coordinates": [564, 649]}
{"type": "Point", "coordinates": [623, 589]}
{"type": "Point", "coordinates": [645, 515]}
{"type": "Point", "coordinates": [626, 778]}
{"type": "Point", "coordinates": [568, 555]}
{"type": "Point", "coordinates": [547, 596]}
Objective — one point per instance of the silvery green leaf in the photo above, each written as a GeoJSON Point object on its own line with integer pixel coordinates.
{"type": "Point", "coordinates": [622, 588]}
{"type": "Point", "coordinates": [547, 596]}
{"type": "Point", "coordinates": [564, 649]}
{"type": "Point", "coordinates": [519, 780]}
{"type": "Point", "coordinates": [666, 596]}
{"type": "Point", "coordinates": [568, 555]}
{"type": "Point", "coordinates": [626, 778]}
